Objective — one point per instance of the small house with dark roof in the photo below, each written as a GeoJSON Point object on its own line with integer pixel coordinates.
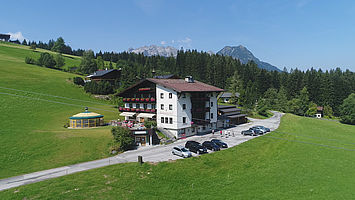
{"type": "Point", "coordinates": [110, 75]}
{"type": "Point", "coordinates": [226, 96]}
{"type": "Point", "coordinates": [181, 107]}
{"type": "Point", "coordinates": [5, 37]}
{"type": "Point", "coordinates": [319, 112]}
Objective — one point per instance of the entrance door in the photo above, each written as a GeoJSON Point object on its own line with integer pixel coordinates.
{"type": "Point", "coordinates": [143, 140]}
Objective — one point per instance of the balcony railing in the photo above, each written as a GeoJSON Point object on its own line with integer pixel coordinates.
{"type": "Point", "coordinates": [201, 121]}
{"type": "Point", "coordinates": [121, 109]}
{"type": "Point", "coordinates": [141, 100]}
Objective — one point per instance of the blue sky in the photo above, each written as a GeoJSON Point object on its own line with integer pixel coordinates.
{"type": "Point", "coordinates": [294, 33]}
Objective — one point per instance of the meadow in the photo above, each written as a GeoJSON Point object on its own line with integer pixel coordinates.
{"type": "Point", "coordinates": [304, 158]}
{"type": "Point", "coordinates": [36, 103]}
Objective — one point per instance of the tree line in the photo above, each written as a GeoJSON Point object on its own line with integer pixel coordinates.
{"type": "Point", "coordinates": [256, 86]}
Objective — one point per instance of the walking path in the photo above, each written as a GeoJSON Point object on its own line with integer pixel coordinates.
{"type": "Point", "coordinates": [150, 154]}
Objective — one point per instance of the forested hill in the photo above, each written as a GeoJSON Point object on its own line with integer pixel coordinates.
{"type": "Point", "coordinates": [244, 55]}
{"type": "Point", "coordinates": [324, 87]}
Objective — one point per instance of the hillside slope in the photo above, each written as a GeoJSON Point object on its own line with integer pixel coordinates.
{"type": "Point", "coordinates": [304, 158]}
{"type": "Point", "coordinates": [35, 105]}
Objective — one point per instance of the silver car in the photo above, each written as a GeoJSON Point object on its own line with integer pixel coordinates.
{"type": "Point", "coordinates": [181, 151]}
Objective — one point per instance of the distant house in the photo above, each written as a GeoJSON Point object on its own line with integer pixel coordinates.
{"type": "Point", "coordinates": [110, 75]}
{"type": "Point", "coordinates": [230, 115]}
{"type": "Point", "coordinates": [319, 112]}
{"type": "Point", "coordinates": [226, 96]}
{"type": "Point", "coordinates": [4, 37]}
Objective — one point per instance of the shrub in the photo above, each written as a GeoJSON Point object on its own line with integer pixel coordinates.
{"type": "Point", "coordinates": [122, 138]}
{"type": "Point", "coordinates": [150, 124]}
{"type": "Point", "coordinates": [78, 81]}
{"type": "Point", "coordinates": [46, 60]}
{"type": "Point", "coordinates": [30, 60]}
{"type": "Point", "coordinates": [347, 110]}
{"type": "Point", "coordinates": [102, 87]}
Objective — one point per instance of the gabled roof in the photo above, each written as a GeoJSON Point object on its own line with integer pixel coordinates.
{"type": "Point", "coordinates": [101, 73]}
{"type": "Point", "coordinates": [180, 85]}
{"type": "Point", "coordinates": [228, 95]}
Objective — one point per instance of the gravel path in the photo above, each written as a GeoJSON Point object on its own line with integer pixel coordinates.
{"type": "Point", "coordinates": [150, 154]}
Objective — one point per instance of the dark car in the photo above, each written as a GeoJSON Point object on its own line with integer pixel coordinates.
{"type": "Point", "coordinates": [257, 130]}
{"type": "Point", "coordinates": [195, 147]}
{"type": "Point", "coordinates": [220, 143]}
{"type": "Point", "coordinates": [211, 146]}
{"type": "Point", "coordinates": [263, 128]}
{"type": "Point", "coordinates": [249, 132]}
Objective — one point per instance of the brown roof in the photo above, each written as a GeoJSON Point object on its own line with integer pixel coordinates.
{"type": "Point", "coordinates": [180, 85]}
{"type": "Point", "coordinates": [319, 108]}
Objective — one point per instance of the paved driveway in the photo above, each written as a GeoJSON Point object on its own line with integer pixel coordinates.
{"type": "Point", "coordinates": [150, 154]}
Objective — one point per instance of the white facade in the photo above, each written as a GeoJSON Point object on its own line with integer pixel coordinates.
{"type": "Point", "coordinates": [174, 112]}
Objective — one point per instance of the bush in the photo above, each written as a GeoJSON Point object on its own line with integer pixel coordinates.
{"type": "Point", "coordinates": [122, 138]}
{"type": "Point", "coordinates": [78, 81]}
{"type": "Point", "coordinates": [46, 60]}
{"type": "Point", "coordinates": [102, 87]}
{"type": "Point", "coordinates": [150, 124]}
{"type": "Point", "coordinates": [347, 110]}
{"type": "Point", "coordinates": [30, 60]}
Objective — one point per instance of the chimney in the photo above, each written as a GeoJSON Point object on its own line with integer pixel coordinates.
{"type": "Point", "coordinates": [189, 79]}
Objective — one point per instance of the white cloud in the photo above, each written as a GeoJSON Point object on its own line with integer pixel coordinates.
{"type": "Point", "coordinates": [16, 36]}
{"type": "Point", "coordinates": [163, 42]}
{"type": "Point", "coordinates": [185, 42]}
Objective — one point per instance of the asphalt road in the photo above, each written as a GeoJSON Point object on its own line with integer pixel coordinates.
{"type": "Point", "coordinates": [156, 153]}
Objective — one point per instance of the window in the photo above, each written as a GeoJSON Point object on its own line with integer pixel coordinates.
{"type": "Point", "coordinates": [183, 106]}
{"type": "Point", "coordinates": [212, 104]}
{"type": "Point", "coordinates": [162, 120]}
{"type": "Point", "coordinates": [170, 95]}
{"type": "Point", "coordinates": [145, 106]}
{"type": "Point", "coordinates": [170, 120]}
{"type": "Point", "coordinates": [130, 105]}
{"type": "Point", "coordinates": [183, 95]}
{"type": "Point", "coordinates": [153, 106]}
{"type": "Point", "coordinates": [211, 115]}
{"type": "Point", "coordinates": [138, 105]}
{"type": "Point", "coordinates": [184, 120]}
{"type": "Point", "coordinates": [162, 106]}
{"type": "Point", "coordinates": [166, 120]}
{"type": "Point", "coordinates": [162, 95]}
{"type": "Point", "coordinates": [170, 106]}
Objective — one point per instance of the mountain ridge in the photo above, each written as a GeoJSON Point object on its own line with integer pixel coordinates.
{"type": "Point", "coordinates": [244, 55]}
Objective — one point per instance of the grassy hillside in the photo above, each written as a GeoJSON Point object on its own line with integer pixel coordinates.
{"type": "Point", "coordinates": [32, 134]}
{"type": "Point", "coordinates": [304, 159]}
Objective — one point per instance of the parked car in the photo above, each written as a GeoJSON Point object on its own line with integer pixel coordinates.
{"type": "Point", "coordinates": [257, 130]}
{"type": "Point", "coordinates": [263, 128]}
{"type": "Point", "coordinates": [211, 146]}
{"type": "Point", "coordinates": [249, 132]}
{"type": "Point", "coordinates": [195, 147]}
{"type": "Point", "coordinates": [220, 143]}
{"type": "Point", "coordinates": [181, 151]}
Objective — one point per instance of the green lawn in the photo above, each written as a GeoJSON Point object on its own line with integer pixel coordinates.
{"type": "Point", "coordinates": [256, 115]}
{"type": "Point", "coordinates": [32, 134]}
{"type": "Point", "coordinates": [304, 159]}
